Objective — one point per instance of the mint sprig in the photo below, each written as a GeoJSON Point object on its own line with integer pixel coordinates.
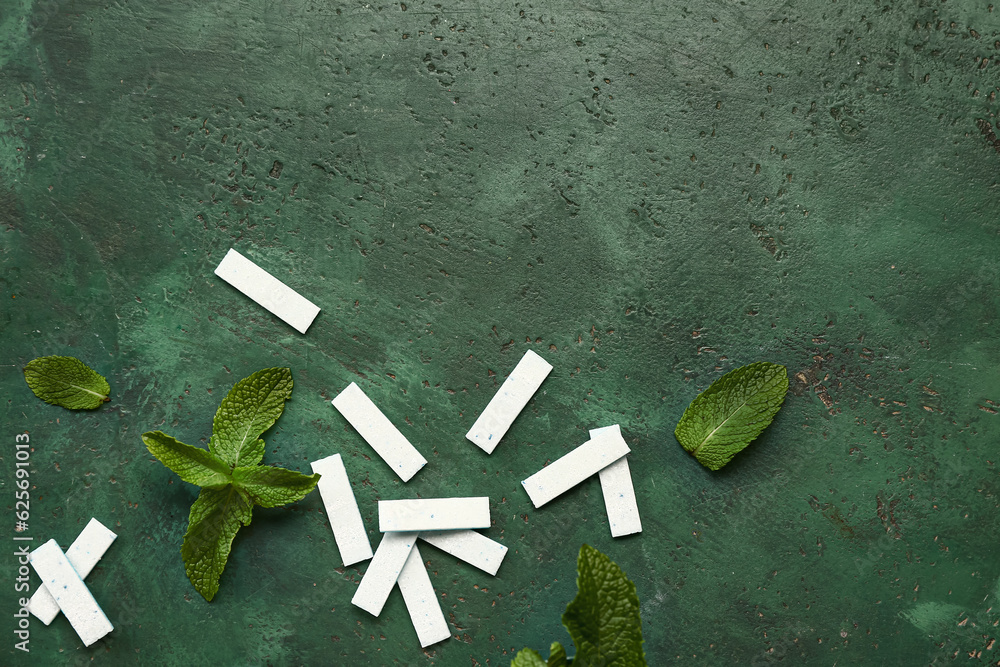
{"type": "Point", "coordinates": [603, 619]}
{"type": "Point", "coordinates": [727, 416]}
{"type": "Point", "coordinates": [229, 473]}
{"type": "Point", "coordinates": [67, 382]}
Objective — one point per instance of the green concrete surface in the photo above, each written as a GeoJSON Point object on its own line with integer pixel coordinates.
{"type": "Point", "coordinates": [647, 194]}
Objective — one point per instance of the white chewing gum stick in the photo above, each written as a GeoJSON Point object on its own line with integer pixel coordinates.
{"type": "Point", "coordinates": [619, 499]}
{"type": "Point", "coordinates": [83, 555]}
{"type": "Point", "coordinates": [267, 291]}
{"type": "Point", "coordinates": [508, 402]}
{"type": "Point", "coordinates": [378, 431]}
{"type": "Point", "coordinates": [342, 510]}
{"type": "Point", "coordinates": [70, 593]}
{"type": "Point", "coordinates": [421, 602]}
{"type": "Point", "coordinates": [433, 514]}
{"type": "Point", "coordinates": [474, 548]}
{"type": "Point", "coordinates": [619, 495]}
{"type": "Point", "coordinates": [383, 571]}
{"type": "Point", "coordinates": [583, 462]}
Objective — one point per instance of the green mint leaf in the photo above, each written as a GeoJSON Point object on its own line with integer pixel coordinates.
{"type": "Point", "coordinates": [249, 409]}
{"type": "Point", "coordinates": [557, 655]}
{"type": "Point", "coordinates": [733, 411]}
{"type": "Point", "coordinates": [253, 453]}
{"type": "Point", "coordinates": [193, 464]}
{"type": "Point", "coordinates": [272, 487]}
{"type": "Point", "coordinates": [215, 518]}
{"type": "Point", "coordinates": [66, 382]}
{"type": "Point", "coordinates": [527, 657]}
{"type": "Point", "coordinates": [603, 618]}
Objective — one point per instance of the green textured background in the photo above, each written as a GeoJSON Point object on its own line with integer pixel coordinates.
{"type": "Point", "coordinates": [647, 194]}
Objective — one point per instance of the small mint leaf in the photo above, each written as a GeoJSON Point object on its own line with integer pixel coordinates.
{"type": "Point", "coordinates": [557, 656]}
{"type": "Point", "coordinates": [250, 408]}
{"type": "Point", "coordinates": [733, 411]}
{"type": "Point", "coordinates": [216, 516]}
{"type": "Point", "coordinates": [603, 618]}
{"type": "Point", "coordinates": [193, 464]}
{"type": "Point", "coordinates": [272, 487]}
{"type": "Point", "coordinates": [527, 657]}
{"type": "Point", "coordinates": [67, 382]}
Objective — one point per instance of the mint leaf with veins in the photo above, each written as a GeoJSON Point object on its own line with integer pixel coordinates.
{"type": "Point", "coordinates": [230, 474]}
{"type": "Point", "coordinates": [557, 655]}
{"type": "Point", "coordinates": [727, 416]}
{"type": "Point", "coordinates": [192, 464]}
{"type": "Point", "coordinates": [216, 516]}
{"type": "Point", "coordinates": [528, 657]}
{"type": "Point", "coordinates": [249, 409]}
{"type": "Point", "coordinates": [273, 487]}
{"type": "Point", "coordinates": [603, 619]}
{"type": "Point", "coordinates": [67, 382]}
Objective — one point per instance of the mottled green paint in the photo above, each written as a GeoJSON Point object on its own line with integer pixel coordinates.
{"type": "Point", "coordinates": [648, 195]}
